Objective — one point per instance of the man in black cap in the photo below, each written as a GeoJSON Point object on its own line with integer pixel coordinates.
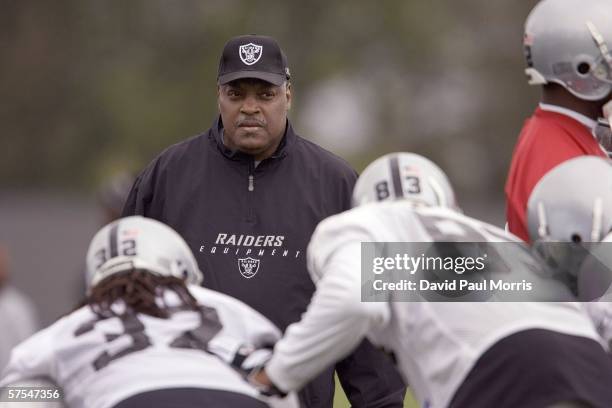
{"type": "Point", "coordinates": [247, 194]}
{"type": "Point", "coordinates": [254, 95]}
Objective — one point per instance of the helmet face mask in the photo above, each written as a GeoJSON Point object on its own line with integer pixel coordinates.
{"type": "Point", "coordinates": [406, 176]}
{"type": "Point", "coordinates": [568, 42]}
{"type": "Point", "coordinates": [603, 135]}
{"type": "Point", "coordinates": [140, 243]}
{"type": "Point", "coordinates": [602, 66]}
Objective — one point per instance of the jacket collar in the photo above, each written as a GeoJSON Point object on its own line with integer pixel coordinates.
{"type": "Point", "coordinates": [283, 148]}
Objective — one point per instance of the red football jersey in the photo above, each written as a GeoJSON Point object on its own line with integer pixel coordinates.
{"type": "Point", "coordinates": [546, 140]}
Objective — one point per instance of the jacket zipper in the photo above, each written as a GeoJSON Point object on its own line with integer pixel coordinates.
{"type": "Point", "coordinates": [250, 189]}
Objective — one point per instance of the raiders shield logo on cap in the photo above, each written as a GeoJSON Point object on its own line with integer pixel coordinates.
{"type": "Point", "coordinates": [250, 53]}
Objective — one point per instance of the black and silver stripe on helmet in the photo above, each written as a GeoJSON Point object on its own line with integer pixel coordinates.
{"type": "Point", "coordinates": [113, 237]}
{"type": "Point", "coordinates": [395, 176]}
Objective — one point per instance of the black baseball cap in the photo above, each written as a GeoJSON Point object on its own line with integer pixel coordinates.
{"type": "Point", "coordinates": [253, 56]}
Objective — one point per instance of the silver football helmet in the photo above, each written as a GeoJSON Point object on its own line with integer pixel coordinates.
{"type": "Point", "coordinates": [404, 176]}
{"type": "Point", "coordinates": [572, 202]}
{"type": "Point", "coordinates": [568, 42]}
{"type": "Point", "coordinates": [569, 212]}
{"type": "Point", "coordinates": [140, 243]}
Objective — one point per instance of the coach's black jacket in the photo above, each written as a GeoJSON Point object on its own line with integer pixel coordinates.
{"type": "Point", "coordinates": [249, 227]}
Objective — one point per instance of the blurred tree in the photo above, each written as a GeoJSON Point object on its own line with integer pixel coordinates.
{"type": "Point", "coordinates": [88, 86]}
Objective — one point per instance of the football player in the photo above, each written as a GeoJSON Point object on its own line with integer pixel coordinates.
{"type": "Point", "coordinates": [148, 335]}
{"type": "Point", "coordinates": [570, 219]}
{"type": "Point", "coordinates": [488, 354]}
{"type": "Point", "coordinates": [567, 47]}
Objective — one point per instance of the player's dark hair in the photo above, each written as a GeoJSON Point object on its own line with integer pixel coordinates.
{"type": "Point", "coordinates": [142, 293]}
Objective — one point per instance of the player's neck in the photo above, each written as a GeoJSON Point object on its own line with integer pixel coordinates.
{"type": "Point", "coordinates": [560, 97]}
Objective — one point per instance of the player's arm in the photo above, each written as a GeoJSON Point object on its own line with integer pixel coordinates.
{"type": "Point", "coordinates": [33, 358]}
{"type": "Point", "coordinates": [334, 324]}
{"type": "Point", "coordinates": [239, 319]}
{"type": "Point", "coordinates": [245, 337]}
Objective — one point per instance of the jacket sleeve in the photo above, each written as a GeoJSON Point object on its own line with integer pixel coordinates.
{"type": "Point", "coordinates": [348, 185]}
{"type": "Point", "coordinates": [143, 197]}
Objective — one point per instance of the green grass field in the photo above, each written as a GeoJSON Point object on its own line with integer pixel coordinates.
{"type": "Point", "coordinates": [340, 400]}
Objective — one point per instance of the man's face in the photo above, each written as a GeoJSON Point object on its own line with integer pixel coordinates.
{"type": "Point", "coordinates": [254, 114]}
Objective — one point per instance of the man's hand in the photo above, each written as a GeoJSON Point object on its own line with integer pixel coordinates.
{"type": "Point", "coordinates": [260, 380]}
{"type": "Point", "coordinates": [260, 377]}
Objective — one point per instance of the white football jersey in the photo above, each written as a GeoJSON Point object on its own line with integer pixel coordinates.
{"type": "Point", "coordinates": [100, 362]}
{"type": "Point", "coordinates": [435, 343]}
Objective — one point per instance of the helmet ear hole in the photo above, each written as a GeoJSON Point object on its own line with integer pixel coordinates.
{"type": "Point", "coordinates": [576, 238]}
{"type": "Point", "coordinates": [583, 68]}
